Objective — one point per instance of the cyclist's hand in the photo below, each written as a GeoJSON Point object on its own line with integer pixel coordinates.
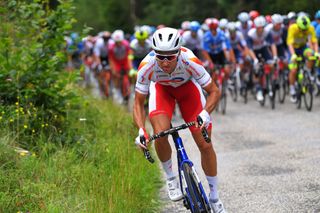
{"type": "Point", "coordinates": [317, 55]}
{"type": "Point", "coordinates": [132, 73]}
{"type": "Point", "coordinates": [275, 59]}
{"type": "Point", "coordinates": [142, 135]}
{"type": "Point", "coordinates": [294, 57]}
{"type": "Point", "coordinates": [204, 115]}
{"type": "Point", "coordinates": [256, 64]}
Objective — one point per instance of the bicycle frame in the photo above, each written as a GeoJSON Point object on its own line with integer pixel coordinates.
{"type": "Point", "coordinates": [182, 158]}
{"type": "Point", "coordinates": [202, 200]}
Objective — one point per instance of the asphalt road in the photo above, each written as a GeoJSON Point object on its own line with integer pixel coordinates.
{"type": "Point", "coordinates": [268, 160]}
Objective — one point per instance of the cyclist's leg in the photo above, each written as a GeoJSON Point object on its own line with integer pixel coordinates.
{"type": "Point", "coordinates": [189, 113]}
{"type": "Point", "coordinates": [306, 54]}
{"type": "Point", "coordinates": [161, 106]}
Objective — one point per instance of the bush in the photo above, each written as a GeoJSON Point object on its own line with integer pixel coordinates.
{"type": "Point", "coordinates": [35, 91]}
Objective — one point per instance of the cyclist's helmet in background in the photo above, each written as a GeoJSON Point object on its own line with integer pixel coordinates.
{"type": "Point", "coordinates": [213, 23]}
{"type": "Point", "coordinates": [141, 35]}
{"type": "Point", "coordinates": [243, 17]}
{"type": "Point", "coordinates": [223, 23]}
{"type": "Point", "coordinates": [317, 15]}
{"type": "Point", "coordinates": [232, 27]}
{"type": "Point", "coordinates": [303, 22]}
{"type": "Point", "coordinates": [185, 25]}
{"type": "Point", "coordinates": [117, 35]}
{"type": "Point", "coordinates": [253, 14]}
{"type": "Point", "coordinates": [194, 26]}
{"type": "Point", "coordinates": [277, 19]}
{"type": "Point", "coordinates": [166, 39]}
{"type": "Point", "coordinates": [260, 21]}
{"type": "Point", "coordinates": [292, 15]}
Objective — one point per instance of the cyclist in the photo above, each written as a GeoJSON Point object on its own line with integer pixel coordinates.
{"type": "Point", "coordinates": [300, 34]}
{"type": "Point", "coordinates": [192, 39]}
{"type": "Point", "coordinates": [216, 46]}
{"type": "Point", "coordinates": [276, 30]}
{"type": "Point", "coordinates": [74, 49]}
{"type": "Point", "coordinates": [101, 58]}
{"type": "Point", "coordinates": [259, 41]}
{"type": "Point", "coordinates": [119, 61]}
{"type": "Point", "coordinates": [171, 74]}
{"type": "Point", "coordinates": [245, 24]}
{"type": "Point", "coordinates": [238, 44]}
{"type": "Point", "coordinates": [140, 47]}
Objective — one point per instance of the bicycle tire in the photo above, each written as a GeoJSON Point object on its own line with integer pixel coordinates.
{"type": "Point", "coordinates": [307, 90]}
{"type": "Point", "coordinates": [223, 98]}
{"type": "Point", "coordinates": [199, 204]}
{"type": "Point", "coordinates": [282, 88]}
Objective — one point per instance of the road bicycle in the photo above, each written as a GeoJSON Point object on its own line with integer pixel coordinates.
{"type": "Point", "coordinates": [194, 198]}
{"type": "Point", "coordinates": [304, 86]}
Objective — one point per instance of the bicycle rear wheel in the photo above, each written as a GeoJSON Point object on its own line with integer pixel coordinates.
{"type": "Point", "coordinates": [194, 196]}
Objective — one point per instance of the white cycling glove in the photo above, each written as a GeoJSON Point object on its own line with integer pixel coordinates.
{"type": "Point", "coordinates": [204, 115]}
{"type": "Point", "coordinates": [142, 132]}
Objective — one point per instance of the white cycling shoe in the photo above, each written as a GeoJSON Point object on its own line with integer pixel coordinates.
{"type": "Point", "coordinates": [217, 207]}
{"type": "Point", "coordinates": [173, 188]}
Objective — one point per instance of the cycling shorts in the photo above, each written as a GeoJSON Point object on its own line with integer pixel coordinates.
{"type": "Point", "coordinates": [121, 66]}
{"type": "Point", "coordinates": [188, 96]}
{"type": "Point", "coordinates": [218, 58]}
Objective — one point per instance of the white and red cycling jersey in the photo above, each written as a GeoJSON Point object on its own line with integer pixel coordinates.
{"type": "Point", "coordinates": [118, 54]}
{"type": "Point", "coordinates": [182, 86]}
{"type": "Point", "coordinates": [188, 67]}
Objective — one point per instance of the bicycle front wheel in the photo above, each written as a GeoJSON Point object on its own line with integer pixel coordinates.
{"type": "Point", "coordinates": [307, 90]}
{"type": "Point", "coordinates": [194, 196]}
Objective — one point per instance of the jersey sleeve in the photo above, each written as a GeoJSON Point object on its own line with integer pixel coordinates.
{"type": "Point", "coordinates": [290, 37]}
{"type": "Point", "coordinates": [196, 69]}
{"type": "Point", "coordinates": [145, 72]}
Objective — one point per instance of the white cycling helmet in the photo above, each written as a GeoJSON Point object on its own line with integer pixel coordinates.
{"type": "Point", "coordinates": [166, 39]}
{"type": "Point", "coordinates": [243, 17]}
{"type": "Point", "coordinates": [292, 15]}
{"type": "Point", "coordinates": [223, 23]}
{"type": "Point", "coordinates": [277, 19]}
{"type": "Point", "coordinates": [185, 25]}
{"type": "Point", "coordinates": [260, 21]}
{"type": "Point", "coordinates": [117, 35]}
{"type": "Point", "coordinates": [232, 27]}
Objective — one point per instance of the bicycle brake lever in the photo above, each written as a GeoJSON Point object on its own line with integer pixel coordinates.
{"type": "Point", "coordinates": [146, 152]}
{"type": "Point", "coordinates": [204, 131]}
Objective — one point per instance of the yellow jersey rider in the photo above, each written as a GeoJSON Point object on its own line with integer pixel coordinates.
{"type": "Point", "coordinates": [301, 41]}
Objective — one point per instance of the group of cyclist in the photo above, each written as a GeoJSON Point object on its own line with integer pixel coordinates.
{"type": "Point", "coordinates": [243, 43]}
{"type": "Point", "coordinates": [176, 66]}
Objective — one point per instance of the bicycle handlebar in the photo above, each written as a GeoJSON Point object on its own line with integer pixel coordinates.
{"type": "Point", "coordinates": [172, 130]}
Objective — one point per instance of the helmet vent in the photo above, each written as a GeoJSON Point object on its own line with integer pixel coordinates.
{"type": "Point", "coordinates": [160, 36]}
{"type": "Point", "coordinates": [154, 42]}
{"type": "Point", "coordinates": [170, 36]}
{"type": "Point", "coordinates": [304, 21]}
{"type": "Point", "coordinates": [177, 42]}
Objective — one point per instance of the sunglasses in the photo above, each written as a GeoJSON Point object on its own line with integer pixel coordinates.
{"type": "Point", "coordinates": [166, 57]}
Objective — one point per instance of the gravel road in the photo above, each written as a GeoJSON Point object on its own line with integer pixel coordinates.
{"type": "Point", "coordinates": [268, 160]}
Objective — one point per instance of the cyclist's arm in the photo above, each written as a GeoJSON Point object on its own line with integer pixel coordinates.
{"type": "Point", "coordinates": [205, 54]}
{"type": "Point", "coordinates": [139, 115]}
{"type": "Point", "coordinates": [291, 49]}
{"type": "Point", "coordinates": [274, 50]}
{"type": "Point", "coordinates": [213, 96]}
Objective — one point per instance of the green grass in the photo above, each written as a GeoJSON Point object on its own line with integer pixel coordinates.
{"type": "Point", "coordinates": [102, 172]}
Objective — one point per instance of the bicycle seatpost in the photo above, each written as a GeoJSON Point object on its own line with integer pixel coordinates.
{"type": "Point", "coordinates": [204, 130]}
